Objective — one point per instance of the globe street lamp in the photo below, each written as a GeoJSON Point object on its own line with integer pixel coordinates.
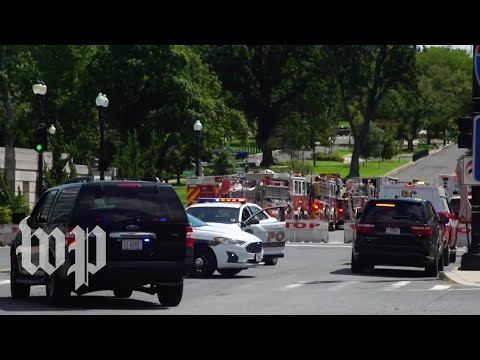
{"type": "Point", "coordinates": [52, 130]}
{"type": "Point", "coordinates": [102, 105]}
{"type": "Point", "coordinates": [40, 89]}
{"type": "Point", "coordinates": [197, 127]}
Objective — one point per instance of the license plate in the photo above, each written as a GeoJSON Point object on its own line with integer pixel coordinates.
{"type": "Point", "coordinates": [394, 231]}
{"type": "Point", "coordinates": [132, 244]}
{"type": "Point", "coordinates": [258, 257]}
{"type": "Point", "coordinates": [274, 244]}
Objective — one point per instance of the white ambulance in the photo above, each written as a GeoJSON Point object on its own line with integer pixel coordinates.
{"type": "Point", "coordinates": [435, 194]}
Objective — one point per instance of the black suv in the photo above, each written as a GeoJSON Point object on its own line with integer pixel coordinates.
{"type": "Point", "coordinates": [148, 240]}
{"type": "Point", "coordinates": [399, 232]}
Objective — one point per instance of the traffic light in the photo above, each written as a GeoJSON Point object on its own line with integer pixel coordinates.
{"type": "Point", "coordinates": [465, 132]}
{"type": "Point", "coordinates": [41, 138]}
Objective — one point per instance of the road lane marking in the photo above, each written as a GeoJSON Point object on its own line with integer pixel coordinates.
{"type": "Point", "coordinates": [296, 285]}
{"type": "Point", "coordinates": [398, 285]}
{"type": "Point", "coordinates": [466, 289]}
{"type": "Point", "coordinates": [4, 282]}
{"type": "Point", "coordinates": [342, 285]}
{"type": "Point", "coordinates": [440, 287]}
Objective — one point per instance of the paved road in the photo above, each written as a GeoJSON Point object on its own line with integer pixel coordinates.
{"type": "Point", "coordinates": [443, 162]}
{"type": "Point", "coordinates": [313, 279]}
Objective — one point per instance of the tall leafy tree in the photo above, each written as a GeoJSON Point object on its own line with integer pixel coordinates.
{"type": "Point", "coordinates": [267, 82]}
{"type": "Point", "coordinates": [364, 74]}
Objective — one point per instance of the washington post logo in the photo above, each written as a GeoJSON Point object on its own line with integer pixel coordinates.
{"type": "Point", "coordinates": [81, 268]}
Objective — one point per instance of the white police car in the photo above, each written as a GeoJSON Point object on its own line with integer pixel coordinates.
{"type": "Point", "coordinates": [233, 213]}
{"type": "Point", "coordinates": [228, 251]}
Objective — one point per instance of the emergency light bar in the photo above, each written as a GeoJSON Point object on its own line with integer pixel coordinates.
{"type": "Point", "coordinates": [229, 200]}
{"type": "Point", "coordinates": [385, 205]}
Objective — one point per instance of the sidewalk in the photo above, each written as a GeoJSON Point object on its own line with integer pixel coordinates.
{"type": "Point", "coordinates": [467, 278]}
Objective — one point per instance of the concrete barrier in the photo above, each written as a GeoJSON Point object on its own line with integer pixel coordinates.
{"type": "Point", "coordinates": [348, 231]}
{"type": "Point", "coordinates": [315, 231]}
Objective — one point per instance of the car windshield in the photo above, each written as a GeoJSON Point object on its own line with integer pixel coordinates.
{"type": "Point", "coordinates": [394, 212]}
{"type": "Point", "coordinates": [118, 204]}
{"type": "Point", "coordinates": [223, 215]}
{"type": "Point", "coordinates": [194, 222]}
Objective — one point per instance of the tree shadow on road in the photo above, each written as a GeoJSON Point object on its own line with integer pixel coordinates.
{"type": "Point", "coordinates": [39, 303]}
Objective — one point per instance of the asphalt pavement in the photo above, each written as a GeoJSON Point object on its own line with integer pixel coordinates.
{"type": "Point", "coordinates": [441, 163]}
{"type": "Point", "coordinates": [311, 279]}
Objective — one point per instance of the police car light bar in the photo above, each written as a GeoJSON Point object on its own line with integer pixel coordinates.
{"type": "Point", "coordinates": [232, 200]}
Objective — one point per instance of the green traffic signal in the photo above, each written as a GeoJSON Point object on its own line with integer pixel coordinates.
{"type": "Point", "coordinates": [39, 147]}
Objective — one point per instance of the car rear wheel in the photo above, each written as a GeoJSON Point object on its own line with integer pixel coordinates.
{"type": "Point", "coordinates": [271, 261]}
{"type": "Point", "coordinates": [356, 266]}
{"type": "Point", "coordinates": [122, 293]}
{"type": "Point", "coordinates": [229, 272]}
{"type": "Point", "coordinates": [17, 290]}
{"type": "Point", "coordinates": [204, 262]}
{"type": "Point", "coordinates": [170, 296]}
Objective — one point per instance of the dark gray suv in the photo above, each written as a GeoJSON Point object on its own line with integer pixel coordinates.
{"type": "Point", "coordinates": [399, 232]}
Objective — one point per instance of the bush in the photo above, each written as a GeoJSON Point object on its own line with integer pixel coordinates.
{"type": "Point", "coordinates": [419, 154]}
{"type": "Point", "coordinates": [5, 215]}
{"type": "Point", "coordinates": [299, 168]}
{"type": "Point", "coordinates": [329, 157]}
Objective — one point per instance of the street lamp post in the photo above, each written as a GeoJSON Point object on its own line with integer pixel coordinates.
{"type": "Point", "coordinates": [197, 127]}
{"type": "Point", "coordinates": [40, 89]}
{"type": "Point", "coordinates": [102, 105]}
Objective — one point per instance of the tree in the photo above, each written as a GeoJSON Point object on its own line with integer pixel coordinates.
{"type": "Point", "coordinates": [266, 82]}
{"type": "Point", "coordinates": [14, 202]}
{"type": "Point", "coordinates": [221, 163]}
{"type": "Point", "coordinates": [389, 146]}
{"type": "Point", "coordinates": [166, 89]}
{"type": "Point", "coordinates": [364, 75]}
{"type": "Point", "coordinates": [374, 145]}
{"type": "Point", "coordinates": [135, 160]}
{"type": "Point", "coordinates": [58, 173]}
{"type": "Point", "coordinates": [449, 72]}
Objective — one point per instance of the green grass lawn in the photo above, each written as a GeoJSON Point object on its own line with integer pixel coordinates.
{"type": "Point", "coordinates": [370, 168]}
{"type": "Point", "coordinates": [182, 192]}
{"type": "Point", "coordinates": [343, 152]}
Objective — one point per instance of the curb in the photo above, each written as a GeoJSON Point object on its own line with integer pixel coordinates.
{"type": "Point", "coordinates": [412, 163]}
{"type": "Point", "coordinates": [451, 276]}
